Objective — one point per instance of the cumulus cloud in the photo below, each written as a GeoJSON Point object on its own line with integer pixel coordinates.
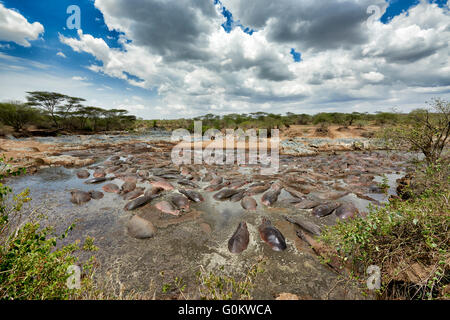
{"type": "Point", "coordinates": [15, 27]}
{"type": "Point", "coordinates": [180, 49]}
{"type": "Point", "coordinates": [61, 54]}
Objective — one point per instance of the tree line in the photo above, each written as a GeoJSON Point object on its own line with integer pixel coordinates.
{"type": "Point", "coordinates": [56, 111]}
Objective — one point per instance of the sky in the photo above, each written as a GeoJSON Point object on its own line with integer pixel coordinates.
{"type": "Point", "coordinates": [168, 59]}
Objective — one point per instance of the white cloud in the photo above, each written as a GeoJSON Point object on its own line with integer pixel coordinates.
{"type": "Point", "coordinates": [78, 78]}
{"type": "Point", "coordinates": [15, 27]}
{"type": "Point", "coordinates": [61, 54]}
{"type": "Point", "coordinates": [368, 68]}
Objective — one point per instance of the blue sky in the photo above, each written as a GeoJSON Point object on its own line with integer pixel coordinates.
{"type": "Point", "coordinates": [42, 62]}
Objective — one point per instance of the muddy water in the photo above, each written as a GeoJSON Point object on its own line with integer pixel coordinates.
{"type": "Point", "coordinates": [198, 238]}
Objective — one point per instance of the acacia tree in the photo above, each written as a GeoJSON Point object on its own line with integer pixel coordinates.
{"type": "Point", "coordinates": [72, 105]}
{"type": "Point", "coordinates": [17, 114]}
{"type": "Point", "coordinates": [427, 131]}
{"type": "Point", "coordinates": [50, 102]}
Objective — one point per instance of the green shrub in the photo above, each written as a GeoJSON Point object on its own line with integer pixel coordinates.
{"type": "Point", "coordinates": [32, 263]}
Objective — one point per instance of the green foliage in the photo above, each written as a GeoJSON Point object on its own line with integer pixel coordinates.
{"type": "Point", "coordinates": [17, 114]}
{"type": "Point", "coordinates": [427, 131]}
{"type": "Point", "coordinates": [32, 263]}
{"type": "Point", "coordinates": [400, 238]}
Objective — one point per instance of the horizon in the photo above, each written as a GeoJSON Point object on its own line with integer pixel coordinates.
{"type": "Point", "coordinates": [174, 60]}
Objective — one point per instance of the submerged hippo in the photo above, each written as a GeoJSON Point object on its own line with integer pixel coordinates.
{"type": "Point", "coordinates": [134, 194]}
{"type": "Point", "coordinates": [240, 239]}
{"type": "Point", "coordinates": [271, 196]}
{"type": "Point", "coordinates": [188, 183]}
{"type": "Point", "coordinates": [307, 204]}
{"type": "Point", "coordinates": [192, 195]}
{"type": "Point", "coordinates": [257, 190]}
{"type": "Point", "coordinates": [140, 228]}
{"type": "Point", "coordinates": [248, 203]}
{"type": "Point", "coordinates": [97, 180]}
{"type": "Point", "coordinates": [180, 201]}
{"type": "Point", "coordinates": [83, 174]}
{"type": "Point", "coordinates": [139, 202]}
{"type": "Point", "coordinates": [304, 224]}
{"type": "Point", "coordinates": [271, 235]}
{"type": "Point", "coordinates": [111, 188]}
{"type": "Point", "coordinates": [325, 209]}
{"type": "Point", "coordinates": [96, 195]}
{"type": "Point", "coordinates": [79, 197]}
{"type": "Point", "coordinates": [167, 207]}
{"type": "Point", "coordinates": [238, 196]}
{"type": "Point", "coordinates": [346, 211]}
{"type": "Point", "coordinates": [127, 187]}
{"type": "Point", "coordinates": [166, 185]}
{"type": "Point", "coordinates": [225, 194]}
{"type": "Point", "coordinates": [99, 173]}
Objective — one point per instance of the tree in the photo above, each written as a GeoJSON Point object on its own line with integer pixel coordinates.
{"type": "Point", "coordinates": [72, 105]}
{"type": "Point", "coordinates": [17, 114]}
{"type": "Point", "coordinates": [50, 102]}
{"type": "Point", "coordinates": [427, 131]}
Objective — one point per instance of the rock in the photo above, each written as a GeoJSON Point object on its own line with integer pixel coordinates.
{"type": "Point", "coordinates": [65, 160]}
{"type": "Point", "coordinates": [287, 296]}
{"type": "Point", "coordinates": [140, 228]}
{"type": "Point", "coordinates": [79, 197]}
{"type": "Point", "coordinates": [325, 209]}
{"type": "Point", "coordinates": [83, 174]}
{"type": "Point", "coordinates": [111, 188]}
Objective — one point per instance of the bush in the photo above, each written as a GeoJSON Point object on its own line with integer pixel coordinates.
{"type": "Point", "coordinates": [17, 115]}
{"type": "Point", "coordinates": [32, 264]}
{"type": "Point", "coordinates": [408, 240]}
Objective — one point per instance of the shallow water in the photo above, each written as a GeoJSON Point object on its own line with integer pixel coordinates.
{"type": "Point", "coordinates": [197, 238]}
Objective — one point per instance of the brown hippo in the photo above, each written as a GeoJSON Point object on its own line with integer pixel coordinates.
{"type": "Point", "coordinates": [83, 174]}
{"type": "Point", "coordinates": [99, 173]}
{"type": "Point", "coordinates": [97, 180]}
{"type": "Point", "coordinates": [140, 228]}
{"type": "Point", "coordinates": [134, 194]}
{"type": "Point", "coordinates": [111, 188]}
{"type": "Point", "coordinates": [346, 211]}
{"type": "Point", "coordinates": [248, 203]}
{"type": "Point", "coordinates": [79, 197]}
{"type": "Point", "coordinates": [271, 196]}
{"type": "Point", "coordinates": [180, 201]}
{"type": "Point", "coordinates": [304, 224]}
{"type": "Point", "coordinates": [325, 209]}
{"type": "Point", "coordinates": [240, 239]}
{"type": "Point", "coordinates": [166, 185]}
{"type": "Point", "coordinates": [238, 196]}
{"type": "Point", "coordinates": [192, 195]}
{"type": "Point", "coordinates": [271, 235]}
{"type": "Point", "coordinates": [167, 207]}
{"type": "Point", "coordinates": [139, 202]}
{"type": "Point", "coordinates": [307, 204]}
{"type": "Point", "coordinates": [127, 187]}
{"type": "Point", "coordinates": [96, 195]}
{"type": "Point", "coordinates": [224, 194]}
{"type": "Point", "coordinates": [153, 191]}
{"type": "Point", "coordinates": [257, 190]}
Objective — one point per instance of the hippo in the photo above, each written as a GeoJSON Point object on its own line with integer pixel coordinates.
{"type": "Point", "coordinates": [248, 203]}
{"type": "Point", "coordinates": [240, 239]}
{"type": "Point", "coordinates": [346, 210]}
{"type": "Point", "coordinates": [139, 202]}
{"type": "Point", "coordinates": [97, 180]}
{"type": "Point", "coordinates": [134, 194]}
{"type": "Point", "coordinates": [271, 196]}
{"type": "Point", "coordinates": [180, 201]}
{"type": "Point", "coordinates": [153, 191]}
{"type": "Point", "coordinates": [96, 195]}
{"type": "Point", "coordinates": [167, 207]}
{"type": "Point", "coordinates": [111, 188]}
{"type": "Point", "coordinates": [271, 235]}
{"type": "Point", "coordinates": [257, 189]}
{"type": "Point", "coordinates": [217, 180]}
{"type": "Point", "coordinates": [188, 183]}
{"type": "Point", "coordinates": [99, 173]}
{"type": "Point", "coordinates": [237, 184]}
{"type": "Point", "coordinates": [166, 185]}
{"type": "Point", "coordinates": [216, 187]}
{"type": "Point", "coordinates": [307, 204]}
{"type": "Point", "coordinates": [294, 193]}
{"type": "Point", "coordinates": [112, 169]}
{"type": "Point", "coordinates": [238, 196]}
{"type": "Point", "coordinates": [325, 209]}
{"type": "Point", "coordinates": [192, 195]}
{"type": "Point", "coordinates": [306, 225]}
{"type": "Point", "coordinates": [127, 187]}
{"type": "Point", "coordinates": [140, 228]}
{"type": "Point", "coordinates": [224, 194]}
{"type": "Point", "coordinates": [79, 197]}
{"type": "Point", "coordinates": [83, 174]}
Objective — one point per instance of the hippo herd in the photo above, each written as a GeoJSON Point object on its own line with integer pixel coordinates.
{"type": "Point", "coordinates": [317, 184]}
